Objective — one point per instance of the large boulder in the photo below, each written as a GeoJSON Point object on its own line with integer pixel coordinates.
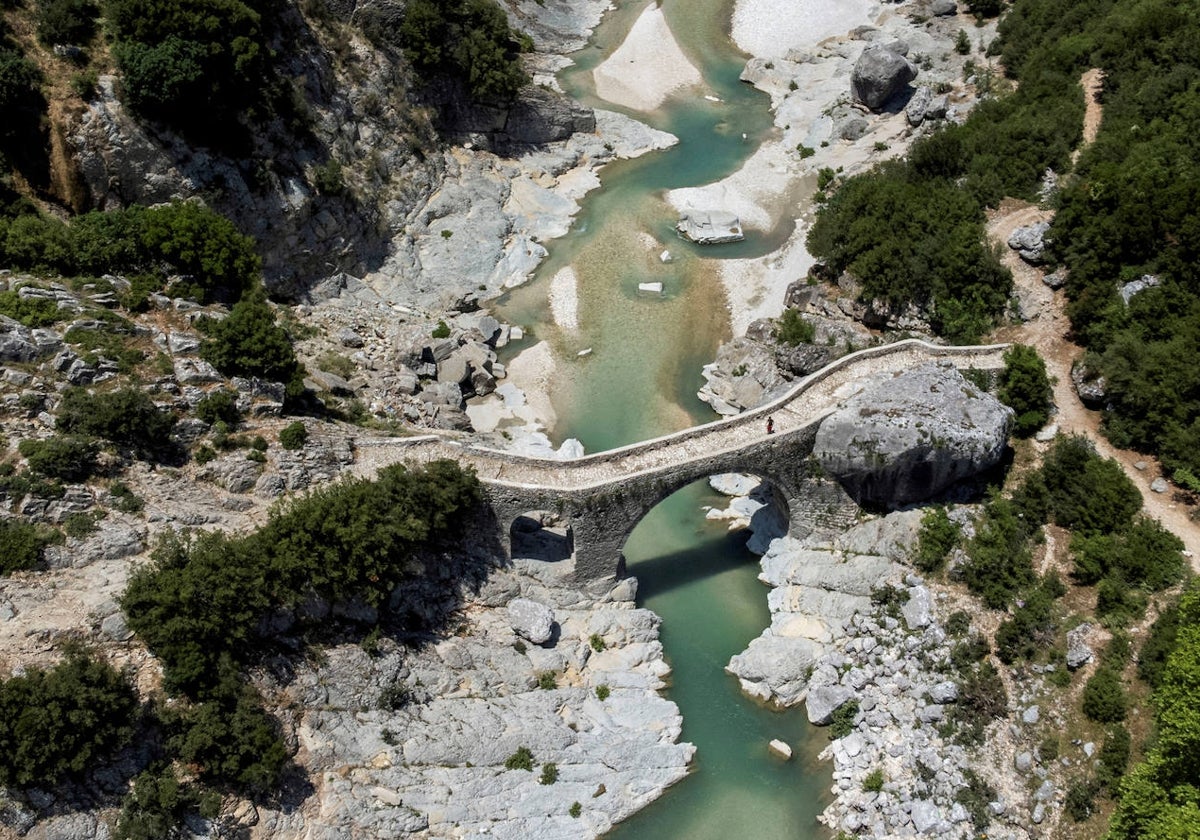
{"type": "Point", "coordinates": [531, 619]}
{"type": "Point", "coordinates": [1030, 242]}
{"type": "Point", "coordinates": [880, 74]}
{"type": "Point", "coordinates": [823, 701]}
{"type": "Point", "coordinates": [909, 437]}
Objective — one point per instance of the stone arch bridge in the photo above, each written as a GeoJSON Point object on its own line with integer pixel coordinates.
{"type": "Point", "coordinates": [600, 498]}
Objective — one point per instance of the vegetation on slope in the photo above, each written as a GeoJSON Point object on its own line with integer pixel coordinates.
{"type": "Point", "coordinates": [1128, 209]}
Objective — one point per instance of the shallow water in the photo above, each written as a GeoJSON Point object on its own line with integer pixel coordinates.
{"type": "Point", "coordinates": [703, 584]}
{"type": "Point", "coordinates": [647, 349]}
{"type": "Point", "coordinates": [640, 381]}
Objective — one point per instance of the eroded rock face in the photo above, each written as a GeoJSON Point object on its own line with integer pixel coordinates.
{"type": "Point", "coordinates": [909, 437]}
{"type": "Point", "coordinates": [879, 75]}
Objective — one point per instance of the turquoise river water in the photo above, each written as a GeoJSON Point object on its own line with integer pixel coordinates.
{"type": "Point", "coordinates": [640, 381]}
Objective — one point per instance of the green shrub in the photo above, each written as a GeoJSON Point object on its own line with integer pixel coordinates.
{"type": "Point", "coordinates": [294, 435]}
{"type": "Point", "coordinates": [982, 698]}
{"type": "Point", "coordinates": [602, 692]}
{"type": "Point", "coordinates": [1144, 554]}
{"type": "Point", "coordinates": [1104, 698]}
{"type": "Point", "coordinates": [962, 44]}
{"type": "Point", "coordinates": [999, 563]}
{"type": "Point", "coordinates": [31, 311]}
{"type": "Point", "coordinates": [328, 179]}
{"type": "Point", "coordinates": [522, 759]}
{"type": "Point", "coordinates": [108, 344]}
{"type": "Point", "coordinates": [126, 417]}
{"type": "Point", "coordinates": [546, 680]}
{"type": "Point", "coordinates": [394, 696]}
{"type": "Point", "coordinates": [127, 501]}
{"type": "Point", "coordinates": [464, 39]}
{"type": "Point", "coordinates": [1089, 494]}
{"type": "Point", "coordinates": [249, 343]}
{"type": "Point", "coordinates": [549, 774]}
{"type": "Point", "coordinates": [873, 782]}
{"type": "Point", "coordinates": [157, 805]}
{"type": "Point", "coordinates": [958, 624]}
{"type": "Point", "coordinates": [1118, 605]}
{"type": "Point", "coordinates": [80, 525]}
{"type": "Point", "coordinates": [967, 653]}
{"type": "Point", "coordinates": [575, 810]}
{"type": "Point", "coordinates": [974, 796]}
{"type": "Point", "coordinates": [1025, 388]}
{"type": "Point", "coordinates": [65, 458]}
{"type": "Point", "coordinates": [1152, 658]}
{"type": "Point", "coordinates": [842, 722]}
{"type": "Point", "coordinates": [937, 538]}
{"type": "Point", "coordinates": [21, 545]}
{"type": "Point", "coordinates": [792, 329]}
{"type": "Point", "coordinates": [1114, 755]}
{"type": "Point", "coordinates": [596, 642]}
{"type": "Point", "coordinates": [230, 739]}
{"type": "Point", "coordinates": [1029, 630]}
{"type": "Point", "coordinates": [66, 21]}
{"type": "Point", "coordinates": [219, 405]}
{"type": "Point", "coordinates": [442, 330]}
{"type": "Point", "coordinates": [57, 723]}
{"type": "Point", "coordinates": [1080, 803]}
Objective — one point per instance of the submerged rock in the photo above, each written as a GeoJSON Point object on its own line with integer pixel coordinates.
{"type": "Point", "coordinates": [710, 227]}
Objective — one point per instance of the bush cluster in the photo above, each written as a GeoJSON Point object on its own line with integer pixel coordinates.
{"type": "Point", "coordinates": [1076, 489]}
{"type": "Point", "coordinates": [62, 457]}
{"type": "Point", "coordinates": [66, 21]}
{"type": "Point", "coordinates": [182, 239]}
{"type": "Point", "coordinates": [21, 545]}
{"type": "Point", "coordinates": [938, 536]}
{"type": "Point", "coordinates": [1158, 796]}
{"type": "Point", "coordinates": [55, 723]}
{"type": "Point", "coordinates": [357, 539]}
{"type": "Point", "coordinates": [1025, 388]}
{"type": "Point", "coordinates": [461, 39]}
{"type": "Point", "coordinates": [199, 65]}
{"type": "Point", "coordinates": [248, 342]}
{"type": "Point", "coordinates": [127, 417]}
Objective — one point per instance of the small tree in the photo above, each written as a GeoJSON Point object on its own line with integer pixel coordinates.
{"type": "Point", "coordinates": [293, 436]}
{"type": "Point", "coordinates": [249, 343]}
{"type": "Point", "coordinates": [1025, 388]}
{"type": "Point", "coordinates": [793, 329]}
{"type": "Point", "coordinates": [63, 457]}
{"type": "Point", "coordinates": [1104, 698]}
{"type": "Point", "coordinates": [56, 723]}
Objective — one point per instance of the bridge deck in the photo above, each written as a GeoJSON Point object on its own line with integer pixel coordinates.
{"type": "Point", "coordinates": [809, 400]}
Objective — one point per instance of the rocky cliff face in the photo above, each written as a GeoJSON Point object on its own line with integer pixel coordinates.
{"type": "Point", "coordinates": [348, 182]}
{"type": "Point", "coordinates": [909, 437]}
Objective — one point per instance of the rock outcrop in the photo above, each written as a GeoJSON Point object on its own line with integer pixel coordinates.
{"type": "Point", "coordinates": [907, 438]}
{"type": "Point", "coordinates": [1030, 242]}
{"type": "Point", "coordinates": [818, 586]}
{"type": "Point", "coordinates": [710, 227]}
{"type": "Point", "coordinates": [880, 74]}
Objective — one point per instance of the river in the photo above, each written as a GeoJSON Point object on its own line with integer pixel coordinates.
{"type": "Point", "coordinates": [639, 381]}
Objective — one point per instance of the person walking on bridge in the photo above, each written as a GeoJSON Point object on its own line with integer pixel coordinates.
{"type": "Point", "coordinates": [770, 425]}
